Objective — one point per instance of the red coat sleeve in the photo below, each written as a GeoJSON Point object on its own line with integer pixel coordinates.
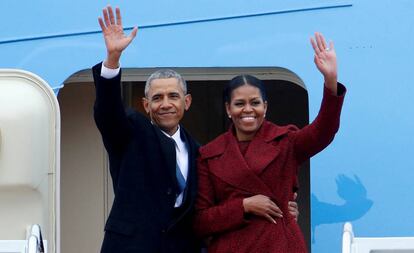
{"type": "Point", "coordinates": [212, 217]}
{"type": "Point", "coordinates": [316, 136]}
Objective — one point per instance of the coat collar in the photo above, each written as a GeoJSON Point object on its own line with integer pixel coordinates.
{"type": "Point", "coordinates": [262, 151]}
{"type": "Point", "coordinates": [238, 171]}
{"type": "Point", "coordinates": [267, 133]}
{"type": "Point", "coordinates": [167, 146]}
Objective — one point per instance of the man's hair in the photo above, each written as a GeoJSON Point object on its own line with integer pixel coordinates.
{"type": "Point", "coordinates": [165, 74]}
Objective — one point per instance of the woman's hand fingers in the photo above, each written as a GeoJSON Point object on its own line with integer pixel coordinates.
{"type": "Point", "coordinates": [269, 218]}
{"type": "Point", "coordinates": [315, 46]}
{"type": "Point", "coordinates": [321, 41]}
{"type": "Point", "coordinates": [274, 213]}
{"type": "Point", "coordinates": [325, 61]}
{"type": "Point", "coordinates": [261, 205]}
{"type": "Point", "coordinates": [275, 210]}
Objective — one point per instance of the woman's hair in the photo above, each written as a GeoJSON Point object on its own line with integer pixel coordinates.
{"type": "Point", "coordinates": [241, 80]}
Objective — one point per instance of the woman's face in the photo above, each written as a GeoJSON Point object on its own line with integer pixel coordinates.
{"type": "Point", "coordinates": [247, 111]}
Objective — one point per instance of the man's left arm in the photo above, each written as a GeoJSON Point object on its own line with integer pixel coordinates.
{"type": "Point", "coordinates": [293, 207]}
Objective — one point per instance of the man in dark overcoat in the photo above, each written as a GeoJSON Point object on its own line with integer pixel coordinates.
{"type": "Point", "coordinates": [152, 161]}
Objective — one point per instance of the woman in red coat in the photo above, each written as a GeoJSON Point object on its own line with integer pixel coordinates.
{"type": "Point", "coordinates": [247, 174]}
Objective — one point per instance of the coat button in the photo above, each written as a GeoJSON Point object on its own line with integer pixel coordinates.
{"type": "Point", "coordinates": [169, 191]}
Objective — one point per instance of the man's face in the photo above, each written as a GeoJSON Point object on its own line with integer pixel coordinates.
{"type": "Point", "coordinates": [165, 103]}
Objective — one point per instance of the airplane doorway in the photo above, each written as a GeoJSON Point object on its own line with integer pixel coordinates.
{"type": "Point", "coordinates": [86, 190]}
{"type": "Point", "coordinates": [206, 119]}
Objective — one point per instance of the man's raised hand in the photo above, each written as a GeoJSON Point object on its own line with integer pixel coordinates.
{"type": "Point", "coordinates": [115, 39]}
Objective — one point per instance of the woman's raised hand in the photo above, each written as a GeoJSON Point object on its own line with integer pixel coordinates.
{"type": "Point", "coordinates": [115, 39]}
{"type": "Point", "coordinates": [261, 205]}
{"type": "Point", "coordinates": [325, 61]}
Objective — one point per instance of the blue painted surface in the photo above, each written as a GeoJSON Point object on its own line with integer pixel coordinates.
{"type": "Point", "coordinates": [364, 176]}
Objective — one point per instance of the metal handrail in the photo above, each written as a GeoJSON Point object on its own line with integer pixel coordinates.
{"type": "Point", "coordinates": [347, 237]}
{"type": "Point", "coordinates": [35, 241]}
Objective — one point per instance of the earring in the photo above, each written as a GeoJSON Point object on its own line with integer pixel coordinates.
{"type": "Point", "coordinates": [229, 116]}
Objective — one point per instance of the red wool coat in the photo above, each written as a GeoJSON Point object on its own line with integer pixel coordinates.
{"type": "Point", "coordinates": [269, 167]}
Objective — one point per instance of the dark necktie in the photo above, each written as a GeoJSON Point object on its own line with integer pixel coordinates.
{"type": "Point", "coordinates": [178, 173]}
{"type": "Point", "coordinates": [180, 178]}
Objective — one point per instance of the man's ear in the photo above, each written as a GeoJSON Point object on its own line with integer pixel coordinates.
{"type": "Point", "coordinates": [187, 101]}
{"type": "Point", "coordinates": [145, 104]}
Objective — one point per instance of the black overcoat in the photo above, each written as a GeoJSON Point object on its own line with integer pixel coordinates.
{"type": "Point", "coordinates": [142, 165]}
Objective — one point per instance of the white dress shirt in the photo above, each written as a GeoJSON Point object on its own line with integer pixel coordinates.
{"type": "Point", "coordinates": [109, 73]}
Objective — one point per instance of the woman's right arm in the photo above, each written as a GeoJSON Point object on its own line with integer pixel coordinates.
{"type": "Point", "coordinates": [231, 214]}
{"type": "Point", "coordinates": [210, 217]}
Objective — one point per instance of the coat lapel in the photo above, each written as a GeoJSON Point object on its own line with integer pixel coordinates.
{"type": "Point", "coordinates": [260, 154]}
{"type": "Point", "coordinates": [168, 151]}
{"type": "Point", "coordinates": [192, 147]}
{"type": "Point", "coordinates": [263, 150]}
{"type": "Point", "coordinates": [239, 171]}
{"type": "Point", "coordinates": [232, 168]}
{"type": "Point", "coordinates": [190, 192]}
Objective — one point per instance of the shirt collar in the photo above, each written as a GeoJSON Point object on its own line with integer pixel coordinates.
{"type": "Point", "coordinates": [179, 143]}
